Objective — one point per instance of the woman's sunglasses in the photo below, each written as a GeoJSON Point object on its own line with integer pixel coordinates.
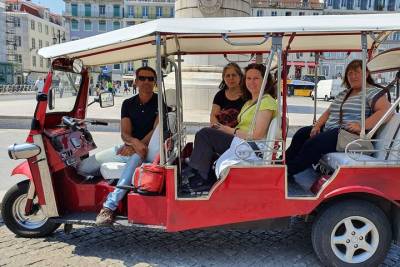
{"type": "Point", "coordinates": [143, 78]}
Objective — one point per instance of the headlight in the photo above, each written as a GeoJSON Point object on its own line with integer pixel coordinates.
{"type": "Point", "coordinates": [23, 151]}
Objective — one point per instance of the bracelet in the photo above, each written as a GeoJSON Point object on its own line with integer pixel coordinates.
{"type": "Point", "coordinates": [234, 132]}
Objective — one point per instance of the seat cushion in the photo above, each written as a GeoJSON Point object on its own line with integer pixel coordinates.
{"type": "Point", "coordinates": [112, 170]}
{"type": "Point", "coordinates": [336, 159]}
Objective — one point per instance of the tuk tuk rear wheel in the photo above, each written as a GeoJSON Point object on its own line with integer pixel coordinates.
{"type": "Point", "coordinates": [14, 217]}
{"type": "Point", "coordinates": [351, 233]}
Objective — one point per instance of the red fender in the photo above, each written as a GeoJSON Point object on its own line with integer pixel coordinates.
{"type": "Point", "coordinates": [360, 189]}
{"type": "Point", "coordinates": [23, 169]}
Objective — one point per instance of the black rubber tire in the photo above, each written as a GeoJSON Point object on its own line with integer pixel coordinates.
{"type": "Point", "coordinates": [11, 222]}
{"type": "Point", "coordinates": [327, 219]}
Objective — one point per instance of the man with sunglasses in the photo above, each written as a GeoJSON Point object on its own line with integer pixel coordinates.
{"type": "Point", "coordinates": [139, 119]}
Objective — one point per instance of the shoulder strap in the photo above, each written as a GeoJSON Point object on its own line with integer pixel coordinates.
{"type": "Point", "coordinates": [341, 107]}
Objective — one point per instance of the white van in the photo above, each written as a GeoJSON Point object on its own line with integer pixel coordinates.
{"type": "Point", "coordinates": [328, 89]}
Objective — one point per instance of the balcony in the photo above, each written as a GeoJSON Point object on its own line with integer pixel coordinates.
{"type": "Point", "coordinates": [290, 4]}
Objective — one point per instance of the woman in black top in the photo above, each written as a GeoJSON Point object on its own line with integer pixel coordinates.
{"type": "Point", "coordinates": [230, 99]}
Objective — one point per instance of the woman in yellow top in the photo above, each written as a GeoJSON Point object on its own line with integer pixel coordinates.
{"type": "Point", "coordinates": [217, 139]}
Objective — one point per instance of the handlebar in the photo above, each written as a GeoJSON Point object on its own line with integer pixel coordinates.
{"type": "Point", "coordinates": [74, 124]}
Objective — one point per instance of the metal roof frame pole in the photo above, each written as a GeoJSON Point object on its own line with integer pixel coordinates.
{"type": "Point", "coordinates": [316, 60]}
{"type": "Point", "coordinates": [364, 46]}
{"type": "Point", "coordinates": [177, 94]}
{"type": "Point", "coordinates": [264, 82]}
{"type": "Point", "coordinates": [397, 88]}
{"type": "Point", "coordinates": [160, 97]}
{"type": "Point", "coordinates": [277, 43]}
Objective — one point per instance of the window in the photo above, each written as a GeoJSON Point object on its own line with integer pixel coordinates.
{"type": "Point", "coordinates": [41, 62]}
{"type": "Point", "coordinates": [159, 11]}
{"type": "Point", "coordinates": [344, 2]}
{"type": "Point", "coordinates": [396, 36]}
{"type": "Point", "coordinates": [259, 13]}
{"type": "Point", "coordinates": [288, 13]}
{"type": "Point", "coordinates": [48, 63]}
{"type": "Point", "coordinates": [379, 5]}
{"type": "Point", "coordinates": [339, 70]}
{"type": "Point", "coordinates": [40, 44]}
{"type": "Point", "coordinates": [32, 25]}
{"type": "Point", "coordinates": [145, 63]}
{"type": "Point", "coordinates": [145, 11]}
{"type": "Point", "coordinates": [301, 13]}
{"type": "Point", "coordinates": [39, 27]}
{"type": "Point", "coordinates": [391, 5]}
{"type": "Point", "coordinates": [172, 12]}
{"type": "Point", "coordinates": [88, 25]}
{"type": "Point", "coordinates": [350, 4]}
{"type": "Point", "coordinates": [117, 66]}
{"type": "Point", "coordinates": [116, 11]}
{"type": "Point", "coordinates": [88, 10]}
{"type": "Point", "coordinates": [130, 66]}
{"type": "Point", "coordinates": [116, 25]}
{"type": "Point", "coordinates": [19, 58]}
{"type": "Point", "coordinates": [33, 43]}
{"type": "Point", "coordinates": [336, 4]}
{"type": "Point", "coordinates": [47, 43]}
{"type": "Point", "coordinates": [46, 29]}
{"type": "Point", "coordinates": [102, 10]}
{"type": "Point", "coordinates": [74, 9]}
{"type": "Point", "coordinates": [274, 13]}
{"type": "Point", "coordinates": [325, 70]}
{"type": "Point", "coordinates": [17, 22]}
{"type": "Point", "coordinates": [131, 11]}
{"type": "Point", "coordinates": [18, 40]}
{"type": "Point", "coordinates": [363, 4]}
{"type": "Point", "coordinates": [102, 26]}
{"type": "Point", "coordinates": [34, 61]}
{"type": "Point", "coordinates": [74, 25]}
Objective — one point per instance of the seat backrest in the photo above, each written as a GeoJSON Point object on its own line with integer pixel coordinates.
{"type": "Point", "coordinates": [271, 137]}
{"type": "Point", "coordinates": [385, 136]}
{"type": "Point", "coordinates": [170, 97]}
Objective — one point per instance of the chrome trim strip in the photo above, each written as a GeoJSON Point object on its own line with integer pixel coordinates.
{"type": "Point", "coordinates": [50, 209]}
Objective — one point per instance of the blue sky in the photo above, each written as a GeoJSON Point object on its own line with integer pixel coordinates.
{"type": "Point", "coordinates": [56, 6]}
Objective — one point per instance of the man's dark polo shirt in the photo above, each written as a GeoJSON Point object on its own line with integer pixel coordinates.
{"type": "Point", "coordinates": [142, 116]}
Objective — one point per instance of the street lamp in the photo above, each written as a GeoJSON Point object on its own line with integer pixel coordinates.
{"type": "Point", "coordinates": [57, 37]}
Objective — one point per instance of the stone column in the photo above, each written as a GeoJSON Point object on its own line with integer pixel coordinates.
{"type": "Point", "coordinates": [201, 75]}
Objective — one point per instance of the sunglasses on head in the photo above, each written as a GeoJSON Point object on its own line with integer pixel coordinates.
{"type": "Point", "coordinates": [143, 78]}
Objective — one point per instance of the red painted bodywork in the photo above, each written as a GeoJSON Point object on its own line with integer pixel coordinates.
{"type": "Point", "coordinates": [246, 194]}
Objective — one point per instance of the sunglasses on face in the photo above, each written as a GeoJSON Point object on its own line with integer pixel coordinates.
{"type": "Point", "coordinates": [149, 78]}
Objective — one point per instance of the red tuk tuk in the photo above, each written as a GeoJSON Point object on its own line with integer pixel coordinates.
{"type": "Point", "coordinates": [355, 209]}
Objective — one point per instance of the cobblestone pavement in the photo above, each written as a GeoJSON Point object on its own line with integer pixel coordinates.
{"type": "Point", "coordinates": [89, 246]}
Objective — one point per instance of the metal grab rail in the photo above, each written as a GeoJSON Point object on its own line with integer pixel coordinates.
{"type": "Point", "coordinates": [227, 40]}
{"type": "Point", "coordinates": [391, 150]}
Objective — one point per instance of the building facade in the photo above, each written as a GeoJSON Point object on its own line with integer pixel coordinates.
{"type": "Point", "coordinates": [333, 64]}
{"type": "Point", "coordinates": [88, 18]}
{"type": "Point", "coordinates": [6, 68]}
{"type": "Point", "coordinates": [300, 63]}
{"type": "Point", "coordinates": [34, 27]}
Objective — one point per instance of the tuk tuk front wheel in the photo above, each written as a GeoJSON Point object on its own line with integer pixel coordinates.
{"type": "Point", "coordinates": [14, 217]}
{"type": "Point", "coordinates": [351, 233]}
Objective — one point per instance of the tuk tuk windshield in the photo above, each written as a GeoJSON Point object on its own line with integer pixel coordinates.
{"type": "Point", "coordinates": [65, 87]}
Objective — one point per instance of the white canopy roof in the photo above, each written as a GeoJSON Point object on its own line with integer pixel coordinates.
{"type": "Point", "coordinates": [203, 36]}
{"type": "Point", "coordinates": [386, 61]}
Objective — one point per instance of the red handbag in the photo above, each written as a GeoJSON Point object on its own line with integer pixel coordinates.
{"type": "Point", "coordinates": [149, 178]}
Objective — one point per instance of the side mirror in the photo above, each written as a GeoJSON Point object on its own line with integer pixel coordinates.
{"type": "Point", "coordinates": [77, 66]}
{"type": "Point", "coordinates": [106, 99]}
{"type": "Point", "coordinates": [51, 99]}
